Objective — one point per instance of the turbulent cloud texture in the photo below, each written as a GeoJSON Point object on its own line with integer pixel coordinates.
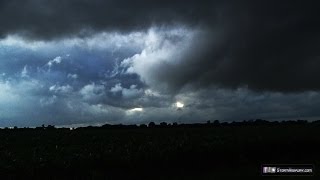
{"type": "Point", "coordinates": [93, 61]}
{"type": "Point", "coordinates": [265, 45]}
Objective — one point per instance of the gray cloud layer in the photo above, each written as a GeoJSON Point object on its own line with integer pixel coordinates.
{"type": "Point", "coordinates": [94, 59]}
{"type": "Point", "coordinates": [265, 45]}
{"type": "Point", "coordinates": [49, 19]}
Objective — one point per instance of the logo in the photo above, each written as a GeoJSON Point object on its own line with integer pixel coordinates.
{"type": "Point", "coordinates": [269, 170]}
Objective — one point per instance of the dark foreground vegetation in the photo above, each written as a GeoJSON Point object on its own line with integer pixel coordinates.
{"type": "Point", "coordinates": [165, 151]}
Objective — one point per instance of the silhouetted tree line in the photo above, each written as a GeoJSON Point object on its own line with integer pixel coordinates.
{"type": "Point", "coordinates": [215, 123]}
{"type": "Point", "coordinates": [160, 149]}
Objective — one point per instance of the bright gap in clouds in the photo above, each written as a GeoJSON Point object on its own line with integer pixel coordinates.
{"type": "Point", "coordinates": [179, 104]}
{"type": "Point", "coordinates": [136, 110]}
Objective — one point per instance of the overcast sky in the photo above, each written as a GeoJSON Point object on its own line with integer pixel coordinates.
{"type": "Point", "coordinates": [91, 62]}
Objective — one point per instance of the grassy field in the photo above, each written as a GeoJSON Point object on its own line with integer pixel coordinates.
{"type": "Point", "coordinates": [155, 153]}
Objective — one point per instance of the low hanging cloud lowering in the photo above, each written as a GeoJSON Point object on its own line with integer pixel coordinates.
{"type": "Point", "coordinates": [94, 62]}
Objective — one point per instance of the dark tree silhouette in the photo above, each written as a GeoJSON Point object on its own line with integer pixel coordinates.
{"type": "Point", "coordinates": [216, 123]}
{"type": "Point", "coordinates": [163, 124]}
{"type": "Point", "coordinates": [50, 127]}
{"type": "Point", "coordinates": [143, 126]}
{"type": "Point", "coordinates": [151, 125]}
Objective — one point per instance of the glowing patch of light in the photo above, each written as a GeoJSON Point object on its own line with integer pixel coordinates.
{"type": "Point", "coordinates": [136, 110]}
{"type": "Point", "coordinates": [179, 104]}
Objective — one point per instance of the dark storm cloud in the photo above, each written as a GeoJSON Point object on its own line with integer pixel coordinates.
{"type": "Point", "coordinates": [271, 45]}
{"type": "Point", "coordinates": [265, 45]}
{"type": "Point", "coordinates": [262, 45]}
{"type": "Point", "coordinates": [49, 19]}
{"type": "Point", "coordinates": [92, 61]}
{"type": "Point", "coordinates": [245, 104]}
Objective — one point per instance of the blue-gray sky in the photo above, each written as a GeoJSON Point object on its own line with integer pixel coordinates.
{"type": "Point", "coordinates": [90, 62]}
